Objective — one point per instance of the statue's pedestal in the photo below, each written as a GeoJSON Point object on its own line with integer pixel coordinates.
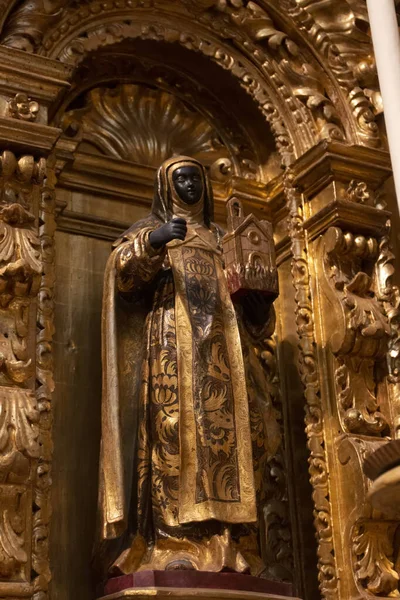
{"type": "Point", "coordinates": [187, 585]}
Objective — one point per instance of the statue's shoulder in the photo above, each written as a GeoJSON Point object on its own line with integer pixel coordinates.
{"type": "Point", "coordinates": [149, 221]}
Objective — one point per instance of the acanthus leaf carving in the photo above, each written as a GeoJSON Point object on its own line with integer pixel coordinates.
{"type": "Point", "coordinates": [336, 29]}
{"type": "Point", "coordinates": [373, 548]}
{"type": "Point", "coordinates": [13, 540]}
{"type": "Point", "coordinates": [19, 432]}
{"type": "Point", "coordinates": [20, 269]}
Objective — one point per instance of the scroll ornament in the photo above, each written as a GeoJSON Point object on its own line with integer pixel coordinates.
{"type": "Point", "coordinates": [361, 340]}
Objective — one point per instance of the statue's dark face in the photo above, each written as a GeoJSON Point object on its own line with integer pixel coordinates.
{"type": "Point", "coordinates": [188, 183]}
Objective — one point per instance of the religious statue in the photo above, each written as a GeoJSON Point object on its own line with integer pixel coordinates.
{"type": "Point", "coordinates": [187, 421]}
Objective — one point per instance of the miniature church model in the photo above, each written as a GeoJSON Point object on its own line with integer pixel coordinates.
{"type": "Point", "coordinates": [249, 253]}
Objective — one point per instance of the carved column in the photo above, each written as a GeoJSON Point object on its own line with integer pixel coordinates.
{"type": "Point", "coordinates": [29, 85]}
{"type": "Point", "coordinates": [345, 309]}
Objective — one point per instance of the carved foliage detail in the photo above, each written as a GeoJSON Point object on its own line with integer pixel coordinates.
{"type": "Point", "coordinates": [363, 331]}
{"type": "Point", "coordinates": [13, 529]}
{"type": "Point", "coordinates": [19, 450]}
{"type": "Point", "coordinates": [20, 264]}
{"type": "Point", "coordinates": [338, 31]}
{"type": "Point", "coordinates": [293, 69]}
{"type": "Point", "coordinates": [359, 192]}
{"type": "Point", "coordinates": [20, 428]}
{"type": "Point", "coordinates": [373, 549]}
{"type": "Point", "coordinates": [19, 433]}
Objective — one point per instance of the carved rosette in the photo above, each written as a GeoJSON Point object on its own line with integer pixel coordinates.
{"type": "Point", "coordinates": [21, 443]}
{"type": "Point", "coordinates": [22, 107]}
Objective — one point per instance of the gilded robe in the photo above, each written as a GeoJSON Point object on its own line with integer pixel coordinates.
{"type": "Point", "coordinates": [205, 427]}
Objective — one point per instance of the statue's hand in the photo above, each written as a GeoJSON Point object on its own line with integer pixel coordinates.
{"type": "Point", "coordinates": [175, 229]}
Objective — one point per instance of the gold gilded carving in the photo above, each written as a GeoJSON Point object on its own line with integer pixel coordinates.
{"type": "Point", "coordinates": [373, 547]}
{"type": "Point", "coordinates": [75, 49]}
{"type": "Point", "coordinates": [44, 390]}
{"type": "Point", "coordinates": [27, 25]}
{"type": "Point", "coordinates": [362, 332]}
{"type": "Point", "coordinates": [343, 23]}
{"type": "Point", "coordinates": [192, 98]}
{"type": "Point", "coordinates": [22, 107]}
{"type": "Point", "coordinates": [358, 191]}
{"type": "Point", "coordinates": [389, 296]}
{"type": "Point", "coordinates": [13, 554]}
{"type": "Point", "coordinates": [19, 447]}
{"type": "Point", "coordinates": [361, 193]}
{"type": "Point", "coordinates": [19, 433]}
{"type": "Point", "coordinates": [147, 126]}
{"type": "Point", "coordinates": [295, 76]}
{"type": "Point", "coordinates": [308, 369]}
{"type": "Point", "coordinates": [20, 265]}
{"type": "Point", "coordinates": [298, 76]}
{"type": "Point", "coordinates": [333, 28]}
{"type": "Point", "coordinates": [369, 540]}
{"type": "Point", "coordinates": [208, 45]}
{"type": "Point", "coordinates": [25, 441]}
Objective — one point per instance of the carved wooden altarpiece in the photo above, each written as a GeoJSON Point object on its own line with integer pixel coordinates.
{"type": "Point", "coordinates": [280, 101]}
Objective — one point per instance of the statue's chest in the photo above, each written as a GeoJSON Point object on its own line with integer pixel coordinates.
{"type": "Point", "coordinates": [197, 256]}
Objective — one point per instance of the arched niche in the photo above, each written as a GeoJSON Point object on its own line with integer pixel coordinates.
{"type": "Point", "coordinates": [241, 76]}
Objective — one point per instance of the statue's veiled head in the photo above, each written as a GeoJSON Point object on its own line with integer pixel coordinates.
{"type": "Point", "coordinates": [185, 180]}
{"type": "Point", "coordinates": [188, 183]}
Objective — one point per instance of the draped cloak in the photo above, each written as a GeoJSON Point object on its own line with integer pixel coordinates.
{"type": "Point", "coordinates": [186, 420]}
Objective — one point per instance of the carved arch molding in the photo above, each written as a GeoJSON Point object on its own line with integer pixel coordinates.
{"type": "Point", "coordinates": [257, 86]}
{"type": "Point", "coordinates": [307, 64]}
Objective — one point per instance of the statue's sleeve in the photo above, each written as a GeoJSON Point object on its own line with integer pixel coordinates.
{"type": "Point", "coordinates": [138, 262]}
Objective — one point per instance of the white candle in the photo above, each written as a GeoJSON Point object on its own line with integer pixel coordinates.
{"type": "Point", "coordinates": [386, 41]}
